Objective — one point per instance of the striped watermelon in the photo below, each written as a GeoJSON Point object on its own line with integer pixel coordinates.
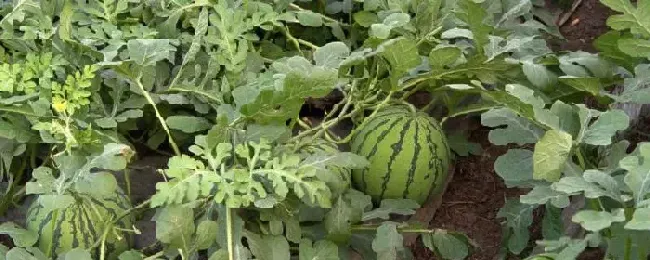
{"type": "Point", "coordinates": [408, 154]}
{"type": "Point", "coordinates": [81, 225]}
{"type": "Point", "coordinates": [340, 181]}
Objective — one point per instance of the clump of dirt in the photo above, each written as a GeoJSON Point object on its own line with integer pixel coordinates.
{"type": "Point", "coordinates": [5, 240]}
{"type": "Point", "coordinates": [583, 26]}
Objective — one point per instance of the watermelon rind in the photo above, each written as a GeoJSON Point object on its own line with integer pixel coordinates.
{"type": "Point", "coordinates": [408, 152]}
{"type": "Point", "coordinates": [81, 225]}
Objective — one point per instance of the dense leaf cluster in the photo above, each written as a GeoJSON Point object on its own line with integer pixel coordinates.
{"type": "Point", "coordinates": [578, 157]}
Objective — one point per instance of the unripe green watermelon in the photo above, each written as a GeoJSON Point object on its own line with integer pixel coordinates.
{"type": "Point", "coordinates": [408, 153]}
{"type": "Point", "coordinates": [81, 224]}
{"type": "Point", "coordinates": [339, 182]}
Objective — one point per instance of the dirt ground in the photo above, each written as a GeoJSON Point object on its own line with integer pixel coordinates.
{"type": "Point", "coordinates": [584, 26]}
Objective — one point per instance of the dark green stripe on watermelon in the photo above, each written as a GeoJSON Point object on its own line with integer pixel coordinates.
{"type": "Point", "coordinates": [110, 210]}
{"type": "Point", "coordinates": [375, 147]}
{"type": "Point", "coordinates": [87, 222]}
{"type": "Point", "coordinates": [432, 149]}
{"type": "Point", "coordinates": [414, 159]}
{"type": "Point", "coordinates": [380, 120]}
{"type": "Point", "coordinates": [436, 163]}
{"type": "Point", "coordinates": [90, 227]}
{"type": "Point", "coordinates": [381, 124]}
{"type": "Point", "coordinates": [57, 231]}
{"type": "Point", "coordinates": [408, 155]}
{"type": "Point", "coordinates": [76, 221]}
{"type": "Point", "coordinates": [46, 221]}
{"type": "Point", "coordinates": [397, 149]}
{"type": "Point", "coordinates": [34, 209]}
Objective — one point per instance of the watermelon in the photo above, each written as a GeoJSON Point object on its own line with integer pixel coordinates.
{"type": "Point", "coordinates": [408, 153]}
{"type": "Point", "coordinates": [81, 224]}
{"type": "Point", "coordinates": [338, 179]}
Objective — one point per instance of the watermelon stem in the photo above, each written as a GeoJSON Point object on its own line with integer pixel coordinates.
{"type": "Point", "coordinates": [296, 42]}
{"type": "Point", "coordinates": [469, 110]}
{"type": "Point", "coordinates": [329, 137]}
{"type": "Point", "coordinates": [383, 103]}
{"type": "Point", "coordinates": [146, 95]}
{"type": "Point", "coordinates": [431, 33]}
{"type": "Point", "coordinates": [128, 211]}
{"type": "Point", "coordinates": [229, 234]}
{"type": "Point", "coordinates": [324, 17]}
{"type": "Point", "coordinates": [346, 99]}
{"type": "Point", "coordinates": [253, 161]}
{"type": "Point", "coordinates": [412, 83]}
{"type": "Point", "coordinates": [55, 217]}
{"type": "Point", "coordinates": [428, 105]}
{"type": "Point", "coordinates": [581, 158]}
{"type": "Point", "coordinates": [127, 178]}
{"type": "Point", "coordinates": [326, 123]}
{"type": "Point", "coordinates": [302, 124]}
{"type": "Point", "coordinates": [344, 110]}
{"type": "Point", "coordinates": [102, 249]}
{"type": "Point", "coordinates": [372, 228]}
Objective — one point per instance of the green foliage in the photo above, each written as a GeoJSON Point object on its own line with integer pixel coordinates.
{"type": "Point", "coordinates": [22, 237]}
{"type": "Point", "coordinates": [578, 152]}
{"type": "Point", "coordinates": [559, 168]}
{"type": "Point", "coordinates": [447, 245]}
{"type": "Point", "coordinates": [388, 241]}
{"type": "Point", "coordinates": [634, 19]}
{"type": "Point", "coordinates": [220, 85]}
{"type": "Point", "coordinates": [320, 250]}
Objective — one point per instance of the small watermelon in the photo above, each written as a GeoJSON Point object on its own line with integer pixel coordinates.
{"type": "Point", "coordinates": [408, 153]}
{"type": "Point", "coordinates": [339, 181]}
{"type": "Point", "coordinates": [81, 224]}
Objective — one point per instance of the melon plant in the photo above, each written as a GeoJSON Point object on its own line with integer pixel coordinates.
{"type": "Point", "coordinates": [81, 75]}
{"type": "Point", "coordinates": [82, 224]}
{"type": "Point", "coordinates": [408, 154]}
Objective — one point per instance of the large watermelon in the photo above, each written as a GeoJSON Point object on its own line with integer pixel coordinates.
{"type": "Point", "coordinates": [408, 154]}
{"type": "Point", "coordinates": [81, 224]}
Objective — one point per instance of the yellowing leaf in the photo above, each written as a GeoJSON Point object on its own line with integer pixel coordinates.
{"type": "Point", "coordinates": [550, 155]}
